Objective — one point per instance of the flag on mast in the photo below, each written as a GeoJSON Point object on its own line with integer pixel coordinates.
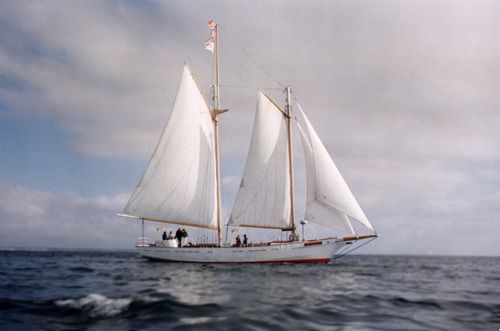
{"type": "Point", "coordinates": [212, 24]}
{"type": "Point", "coordinates": [209, 46]}
{"type": "Point", "coordinates": [210, 42]}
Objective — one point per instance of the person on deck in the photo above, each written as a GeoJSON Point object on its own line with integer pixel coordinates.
{"type": "Point", "coordinates": [171, 235]}
{"type": "Point", "coordinates": [184, 235]}
{"type": "Point", "coordinates": [245, 240]}
{"type": "Point", "coordinates": [238, 241]}
{"type": "Point", "coordinates": [164, 235]}
{"type": "Point", "coordinates": [178, 235]}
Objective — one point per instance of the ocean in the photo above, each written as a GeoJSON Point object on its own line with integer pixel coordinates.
{"type": "Point", "coordinates": [80, 290]}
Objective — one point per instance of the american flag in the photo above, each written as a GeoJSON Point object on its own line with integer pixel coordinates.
{"type": "Point", "coordinates": [211, 24]}
{"type": "Point", "coordinates": [210, 42]}
{"type": "Point", "coordinates": [210, 45]}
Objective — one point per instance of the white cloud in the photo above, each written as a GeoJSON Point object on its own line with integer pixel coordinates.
{"type": "Point", "coordinates": [94, 67]}
{"type": "Point", "coordinates": [34, 218]}
{"type": "Point", "coordinates": [377, 75]}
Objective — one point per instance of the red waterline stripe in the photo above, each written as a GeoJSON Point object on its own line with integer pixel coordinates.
{"type": "Point", "coordinates": [320, 260]}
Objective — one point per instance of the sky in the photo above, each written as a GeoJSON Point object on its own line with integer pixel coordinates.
{"type": "Point", "coordinates": [404, 94]}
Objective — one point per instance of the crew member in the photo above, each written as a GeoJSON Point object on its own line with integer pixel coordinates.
{"type": "Point", "coordinates": [178, 235]}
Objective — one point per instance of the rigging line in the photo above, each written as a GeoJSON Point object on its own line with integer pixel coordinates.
{"type": "Point", "coordinates": [337, 257]}
{"type": "Point", "coordinates": [251, 87]}
{"type": "Point", "coordinates": [251, 57]}
{"type": "Point", "coordinates": [294, 97]}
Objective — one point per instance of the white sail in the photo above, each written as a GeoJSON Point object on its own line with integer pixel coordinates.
{"type": "Point", "coordinates": [263, 199]}
{"type": "Point", "coordinates": [178, 185]}
{"type": "Point", "coordinates": [329, 199]}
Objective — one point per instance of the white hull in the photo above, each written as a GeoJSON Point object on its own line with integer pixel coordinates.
{"type": "Point", "coordinates": [276, 252]}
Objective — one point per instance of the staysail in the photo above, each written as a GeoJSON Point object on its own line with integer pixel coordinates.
{"type": "Point", "coordinates": [263, 199]}
{"type": "Point", "coordinates": [329, 200]}
{"type": "Point", "coordinates": [179, 184]}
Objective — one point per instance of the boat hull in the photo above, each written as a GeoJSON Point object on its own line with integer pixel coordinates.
{"type": "Point", "coordinates": [318, 251]}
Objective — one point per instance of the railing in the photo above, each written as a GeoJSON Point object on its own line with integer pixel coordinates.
{"type": "Point", "coordinates": [144, 242]}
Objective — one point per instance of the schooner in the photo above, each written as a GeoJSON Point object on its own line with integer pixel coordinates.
{"type": "Point", "coordinates": [182, 183]}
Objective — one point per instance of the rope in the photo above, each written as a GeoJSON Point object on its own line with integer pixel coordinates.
{"type": "Point", "coordinates": [250, 87]}
{"type": "Point", "coordinates": [268, 73]}
{"type": "Point", "coordinates": [337, 257]}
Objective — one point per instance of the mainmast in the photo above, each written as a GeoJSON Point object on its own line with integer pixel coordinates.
{"type": "Point", "coordinates": [288, 109]}
{"type": "Point", "coordinates": [216, 112]}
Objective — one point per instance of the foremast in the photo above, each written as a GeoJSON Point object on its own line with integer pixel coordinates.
{"type": "Point", "coordinates": [288, 110]}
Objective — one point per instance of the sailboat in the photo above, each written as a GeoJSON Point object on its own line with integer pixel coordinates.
{"type": "Point", "coordinates": [182, 185]}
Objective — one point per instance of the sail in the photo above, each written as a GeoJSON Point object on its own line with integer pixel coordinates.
{"type": "Point", "coordinates": [329, 201]}
{"type": "Point", "coordinates": [179, 184]}
{"type": "Point", "coordinates": [263, 199]}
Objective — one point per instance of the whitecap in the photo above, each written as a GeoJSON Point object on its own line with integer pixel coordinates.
{"type": "Point", "coordinates": [96, 305]}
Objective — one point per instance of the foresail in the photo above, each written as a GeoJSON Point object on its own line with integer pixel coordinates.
{"type": "Point", "coordinates": [263, 199]}
{"type": "Point", "coordinates": [330, 202]}
{"type": "Point", "coordinates": [178, 185]}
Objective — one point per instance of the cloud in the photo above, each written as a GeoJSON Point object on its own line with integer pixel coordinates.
{"type": "Point", "coordinates": [93, 67]}
{"type": "Point", "coordinates": [429, 207]}
{"type": "Point", "coordinates": [109, 72]}
{"type": "Point", "coordinates": [35, 218]}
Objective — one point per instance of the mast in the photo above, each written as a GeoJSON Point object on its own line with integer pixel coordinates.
{"type": "Point", "coordinates": [216, 134]}
{"type": "Point", "coordinates": [142, 238]}
{"type": "Point", "coordinates": [290, 157]}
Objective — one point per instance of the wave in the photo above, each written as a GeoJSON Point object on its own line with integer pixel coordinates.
{"type": "Point", "coordinates": [149, 305]}
{"type": "Point", "coordinates": [428, 303]}
{"type": "Point", "coordinates": [96, 305]}
{"type": "Point", "coordinates": [81, 269]}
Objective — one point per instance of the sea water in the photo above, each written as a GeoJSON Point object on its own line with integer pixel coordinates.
{"type": "Point", "coordinates": [78, 290]}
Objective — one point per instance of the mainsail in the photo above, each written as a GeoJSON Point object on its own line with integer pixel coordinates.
{"type": "Point", "coordinates": [329, 201]}
{"type": "Point", "coordinates": [263, 199]}
{"type": "Point", "coordinates": [179, 184]}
